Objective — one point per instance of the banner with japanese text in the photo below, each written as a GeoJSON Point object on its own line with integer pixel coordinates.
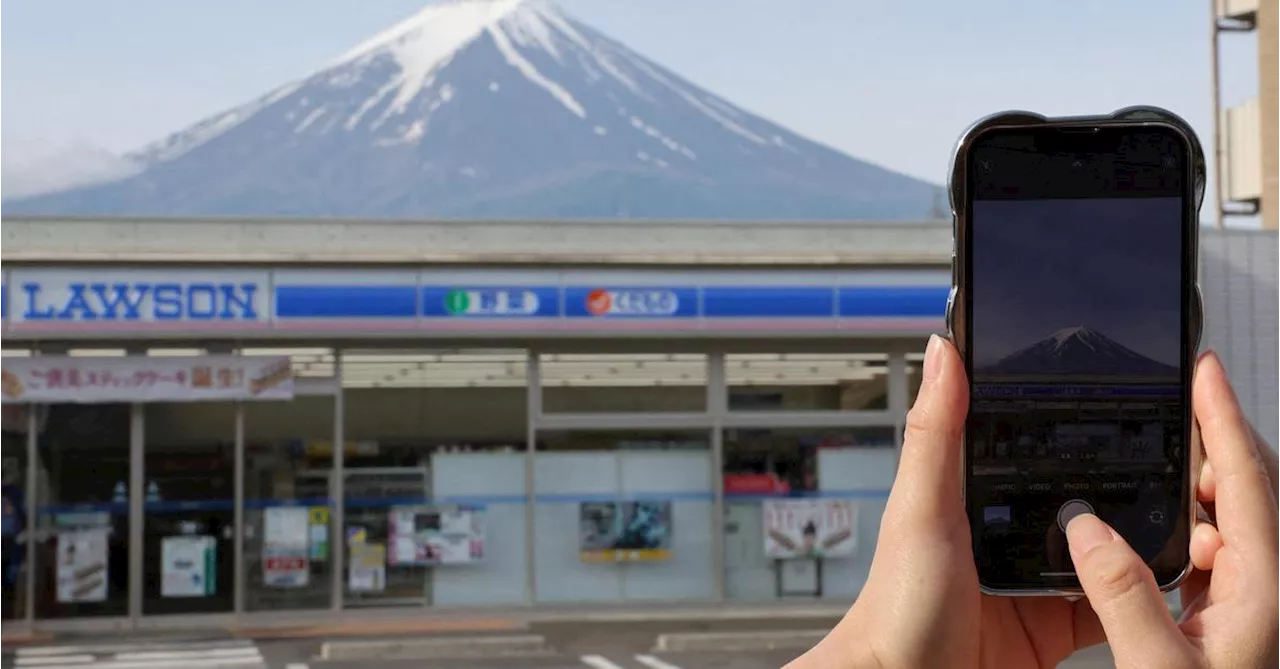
{"type": "Point", "coordinates": [85, 380]}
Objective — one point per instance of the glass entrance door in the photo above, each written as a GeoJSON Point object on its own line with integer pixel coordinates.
{"type": "Point", "coordinates": [189, 511]}
{"type": "Point", "coordinates": [82, 550]}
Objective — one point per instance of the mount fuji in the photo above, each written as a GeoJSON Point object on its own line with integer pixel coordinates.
{"type": "Point", "coordinates": [494, 109]}
{"type": "Point", "coordinates": [1078, 351]}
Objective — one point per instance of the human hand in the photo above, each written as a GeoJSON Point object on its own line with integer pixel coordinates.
{"type": "Point", "coordinates": [921, 605]}
{"type": "Point", "coordinates": [1230, 606]}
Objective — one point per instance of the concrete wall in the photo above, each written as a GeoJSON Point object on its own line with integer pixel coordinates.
{"type": "Point", "coordinates": [1239, 284]}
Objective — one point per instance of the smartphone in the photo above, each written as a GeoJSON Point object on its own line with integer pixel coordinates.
{"type": "Point", "coordinates": [1075, 306]}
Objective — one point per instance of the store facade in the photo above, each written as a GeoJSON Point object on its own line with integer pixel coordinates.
{"type": "Point", "coordinates": [253, 438]}
{"type": "Point", "coordinates": [509, 437]}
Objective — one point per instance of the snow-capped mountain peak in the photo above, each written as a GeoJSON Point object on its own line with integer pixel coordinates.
{"type": "Point", "coordinates": [1081, 336]}
{"type": "Point", "coordinates": [1078, 350]}
{"type": "Point", "coordinates": [496, 108]}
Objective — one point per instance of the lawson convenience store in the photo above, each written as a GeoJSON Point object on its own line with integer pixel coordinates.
{"type": "Point", "coordinates": [187, 443]}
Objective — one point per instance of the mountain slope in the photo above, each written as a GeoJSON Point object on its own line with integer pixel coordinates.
{"type": "Point", "coordinates": [497, 109]}
{"type": "Point", "coordinates": [1078, 351]}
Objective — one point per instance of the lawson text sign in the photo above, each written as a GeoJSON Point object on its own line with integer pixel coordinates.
{"type": "Point", "coordinates": [145, 296]}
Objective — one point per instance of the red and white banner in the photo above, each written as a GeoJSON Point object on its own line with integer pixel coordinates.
{"type": "Point", "coordinates": [50, 379]}
{"type": "Point", "coordinates": [810, 528]}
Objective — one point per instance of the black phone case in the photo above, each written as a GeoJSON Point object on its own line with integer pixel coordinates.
{"type": "Point", "coordinates": [955, 310]}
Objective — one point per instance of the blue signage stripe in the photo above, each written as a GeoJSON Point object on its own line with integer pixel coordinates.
{"type": "Point", "coordinates": [469, 501]}
{"type": "Point", "coordinates": [893, 301]}
{"type": "Point", "coordinates": [346, 301]}
{"type": "Point", "coordinates": [156, 304]}
{"type": "Point", "coordinates": [770, 302]}
{"type": "Point", "coordinates": [490, 302]}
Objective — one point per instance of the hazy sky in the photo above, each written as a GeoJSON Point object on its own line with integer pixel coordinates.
{"type": "Point", "coordinates": [889, 81]}
{"type": "Point", "coordinates": [1110, 265]}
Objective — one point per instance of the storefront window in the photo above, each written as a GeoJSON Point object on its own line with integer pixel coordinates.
{"type": "Point", "coordinates": [188, 551]}
{"type": "Point", "coordinates": [630, 382]}
{"type": "Point", "coordinates": [288, 543]}
{"type": "Point", "coordinates": [435, 478]}
{"type": "Point", "coordinates": [807, 381]}
{"type": "Point", "coordinates": [16, 503]}
{"type": "Point", "coordinates": [802, 509]}
{"type": "Point", "coordinates": [915, 367]}
{"type": "Point", "coordinates": [82, 559]}
{"type": "Point", "coordinates": [623, 515]}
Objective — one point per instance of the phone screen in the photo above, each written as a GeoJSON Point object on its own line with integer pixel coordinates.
{"type": "Point", "coordinates": [1080, 273]}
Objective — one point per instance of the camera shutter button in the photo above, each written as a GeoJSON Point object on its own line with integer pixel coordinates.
{"type": "Point", "coordinates": [1071, 509]}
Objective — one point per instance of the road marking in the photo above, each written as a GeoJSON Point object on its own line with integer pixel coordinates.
{"type": "Point", "coordinates": [127, 647]}
{"type": "Point", "coordinates": [180, 654]}
{"type": "Point", "coordinates": [296, 665]}
{"type": "Point", "coordinates": [599, 662]}
{"type": "Point", "coordinates": [654, 663]}
{"type": "Point", "coordinates": [39, 661]}
{"type": "Point", "coordinates": [170, 655]}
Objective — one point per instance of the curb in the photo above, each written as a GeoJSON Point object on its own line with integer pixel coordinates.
{"type": "Point", "coordinates": [738, 641]}
{"type": "Point", "coordinates": [381, 628]}
{"type": "Point", "coordinates": [524, 645]}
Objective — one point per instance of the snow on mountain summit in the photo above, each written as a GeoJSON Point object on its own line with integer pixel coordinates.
{"type": "Point", "coordinates": [495, 108]}
{"type": "Point", "coordinates": [1076, 351]}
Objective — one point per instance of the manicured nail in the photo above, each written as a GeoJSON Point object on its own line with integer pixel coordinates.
{"type": "Point", "coordinates": [1086, 532]}
{"type": "Point", "coordinates": [932, 359]}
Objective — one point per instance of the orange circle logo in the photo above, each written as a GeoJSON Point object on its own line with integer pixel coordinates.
{"type": "Point", "coordinates": [598, 302]}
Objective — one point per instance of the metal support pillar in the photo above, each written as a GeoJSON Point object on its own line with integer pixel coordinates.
{"type": "Point", "coordinates": [337, 491]}
{"type": "Point", "coordinates": [533, 407]}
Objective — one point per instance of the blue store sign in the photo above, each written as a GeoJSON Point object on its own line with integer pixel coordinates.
{"type": "Point", "coordinates": [63, 300]}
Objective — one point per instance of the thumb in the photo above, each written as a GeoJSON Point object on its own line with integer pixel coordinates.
{"type": "Point", "coordinates": [1123, 593]}
{"type": "Point", "coordinates": [928, 483]}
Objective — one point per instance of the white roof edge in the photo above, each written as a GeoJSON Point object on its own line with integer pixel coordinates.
{"type": "Point", "coordinates": [48, 240]}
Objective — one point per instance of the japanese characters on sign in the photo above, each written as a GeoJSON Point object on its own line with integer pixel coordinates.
{"type": "Point", "coordinates": [146, 379]}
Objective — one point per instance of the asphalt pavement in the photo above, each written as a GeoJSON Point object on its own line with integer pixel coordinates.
{"type": "Point", "coordinates": [621, 645]}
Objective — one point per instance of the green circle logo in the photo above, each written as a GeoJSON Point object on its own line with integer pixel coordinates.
{"type": "Point", "coordinates": [457, 302]}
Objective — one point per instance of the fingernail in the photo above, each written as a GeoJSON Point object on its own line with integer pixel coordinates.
{"type": "Point", "coordinates": [932, 362]}
{"type": "Point", "coordinates": [1086, 532]}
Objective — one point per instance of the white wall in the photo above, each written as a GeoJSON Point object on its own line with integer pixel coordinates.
{"type": "Point", "coordinates": [1238, 280]}
{"type": "Point", "coordinates": [496, 482]}
{"type": "Point", "coordinates": [863, 475]}
{"type": "Point", "coordinates": [564, 480]}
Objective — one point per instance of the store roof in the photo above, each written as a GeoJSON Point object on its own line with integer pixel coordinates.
{"type": "Point", "coordinates": [47, 240]}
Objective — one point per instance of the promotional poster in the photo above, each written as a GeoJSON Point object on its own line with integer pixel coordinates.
{"type": "Point", "coordinates": [285, 541]}
{"type": "Point", "coordinates": [425, 535]}
{"type": "Point", "coordinates": [809, 528]}
{"type": "Point", "coordinates": [368, 570]}
{"type": "Point", "coordinates": [82, 566]}
{"type": "Point", "coordinates": [624, 531]}
{"type": "Point", "coordinates": [188, 566]}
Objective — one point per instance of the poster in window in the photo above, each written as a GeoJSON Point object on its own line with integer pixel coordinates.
{"type": "Point", "coordinates": [624, 531]}
{"type": "Point", "coordinates": [82, 566]}
{"type": "Point", "coordinates": [809, 528]}
{"type": "Point", "coordinates": [188, 566]}
{"type": "Point", "coordinates": [434, 535]}
{"type": "Point", "coordinates": [368, 570]}
{"type": "Point", "coordinates": [285, 559]}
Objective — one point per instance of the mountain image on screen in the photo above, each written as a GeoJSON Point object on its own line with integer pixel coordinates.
{"type": "Point", "coordinates": [494, 109]}
{"type": "Point", "coordinates": [1077, 351]}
